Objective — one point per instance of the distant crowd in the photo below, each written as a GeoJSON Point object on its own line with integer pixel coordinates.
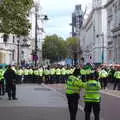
{"type": "Point", "coordinates": [53, 74]}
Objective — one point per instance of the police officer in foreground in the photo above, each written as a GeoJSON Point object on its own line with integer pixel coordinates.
{"type": "Point", "coordinates": [10, 78]}
{"type": "Point", "coordinates": [73, 86]}
{"type": "Point", "coordinates": [92, 97]}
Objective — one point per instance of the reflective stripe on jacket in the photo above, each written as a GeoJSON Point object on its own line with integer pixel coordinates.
{"type": "Point", "coordinates": [92, 91]}
{"type": "Point", "coordinates": [73, 85]}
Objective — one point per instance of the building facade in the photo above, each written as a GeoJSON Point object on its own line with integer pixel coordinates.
{"type": "Point", "coordinates": [113, 24]}
{"type": "Point", "coordinates": [12, 51]}
{"type": "Point", "coordinates": [19, 50]}
{"type": "Point", "coordinates": [94, 34]}
{"type": "Point", "coordinates": [8, 50]}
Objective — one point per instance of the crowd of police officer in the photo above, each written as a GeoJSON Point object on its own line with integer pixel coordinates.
{"type": "Point", "coordinates": [48, 75]}
{"type": "Point", "coordinates": [59, 74]}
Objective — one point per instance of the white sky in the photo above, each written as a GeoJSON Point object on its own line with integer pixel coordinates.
{"type": "Point", "coordinates": [59, 13]}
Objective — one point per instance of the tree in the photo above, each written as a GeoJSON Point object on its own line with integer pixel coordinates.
{"type": "Point", "coordinates": [73, 48]}
{"type": "Point", "coordinates": [54, 48]}
{"type": "Point", "coordinates": [14, 16]}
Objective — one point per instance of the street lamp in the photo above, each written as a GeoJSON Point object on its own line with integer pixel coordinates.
{"type": "Point", "coordinates": [18, 51]}
{"type": "Point", "coordinates": [45, 17]}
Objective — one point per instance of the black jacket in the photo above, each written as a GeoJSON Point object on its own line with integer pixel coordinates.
{"type": "Point", "coordinates": [10, 76]}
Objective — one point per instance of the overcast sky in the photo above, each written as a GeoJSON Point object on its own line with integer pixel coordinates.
{"type": "Point", "coordinates": [59, 13]}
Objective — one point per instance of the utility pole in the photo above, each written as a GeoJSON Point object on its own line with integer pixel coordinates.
{"type": "Point", "coordinates": [18, 52]}
{"type": "Point", "coordinates": [36, 27]}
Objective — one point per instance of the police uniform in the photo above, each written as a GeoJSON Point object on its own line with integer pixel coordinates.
{"type": "Point", "coordinates": [46, 74]}
{"type": "Point", "coordinates": [83, 74]}
{"type": "Point", "coordinates": [73, 85]}
{"type": "Point", "coordinates": [103, 75]}
{"type": "Point", "coordinates": [2, 80]}
{"type": "Point", "coordinates": [58, 73]}
{"type": "Point", "coordinates": [117, 80]}
{"type": "Point", "coordinates": [92, 97]}
{"type": "Point", "coordinates": [40, 71]}
{"type": "Point", "coordinates": [63, 73]}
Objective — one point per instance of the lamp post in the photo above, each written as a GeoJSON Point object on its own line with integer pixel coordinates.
{"type": "Point", "coordinates": [45, 17]}
{"type": "Point", "coordinates": [36, 26]}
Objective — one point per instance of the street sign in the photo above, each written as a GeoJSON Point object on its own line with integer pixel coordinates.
{"type": "Point", "coordinates": [35, 57]}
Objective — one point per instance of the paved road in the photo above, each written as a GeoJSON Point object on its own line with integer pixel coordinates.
{"type": "Point", "coordinates": [36, 102]}
{"type": "Point", "coordinates": [41, 102]}
{"type": "Point", "coordinates": [110, 105]}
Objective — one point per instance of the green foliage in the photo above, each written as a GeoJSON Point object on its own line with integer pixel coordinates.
{"type": "Point", "coordinates": [14, 16]}
{"type": "Point", "coordinates": [74, 50]}
{"type": "Point", "coordinates": [72, 45]}
{"type": "Point", "coordinates": [54, 48]}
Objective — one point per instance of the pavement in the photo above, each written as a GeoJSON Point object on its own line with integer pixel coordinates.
{"type": "Point", "coordinates": [35, 102]}
{"type": "Point", "coordinates": [48, 102]}
{"type": "Point", "coordinates": [110, 102]}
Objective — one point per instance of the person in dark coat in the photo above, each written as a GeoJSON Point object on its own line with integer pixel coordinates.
{"type": "Point", "coordinates": [10, 78]}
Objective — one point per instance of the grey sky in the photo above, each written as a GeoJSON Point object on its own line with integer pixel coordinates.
{"type": "Point", "coordinates": [59, 13]}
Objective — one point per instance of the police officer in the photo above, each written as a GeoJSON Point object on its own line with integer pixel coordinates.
{"type": "Point", "coordinates": [25, 72]}
{"type": "Point", "coordinates": [63, 72]}
{"type": "Point", "coordinates": [58, 73]}
{"type": "Point", "coordinates": [83, 74]}
{"type": "Point", "coordinates": [2, 82]}
{"type": "Point", "coordinates": [19, 75]}
{"type": "Point", "coordinates": [92, 97]}
{"type": "Point", "coordinates": [52, 75]}
{"type": "Point", "coordinates": [40, 70]}
{"type": "Point", "coordinates": [36, 75]}
{"type": "Point", "coordinates": [46, 74]}
{"type": "Point", "coordinates": [73, 85]}
{"type": "Point", "coordinates": [117, 79]}
{"type": "Point", "coordinates": [103, 75]}
{"type": "Point", "coordinates": [10, 77]}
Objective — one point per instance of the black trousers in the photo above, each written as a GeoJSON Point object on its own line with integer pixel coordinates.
{"type": "Point", "coordinates": [11, 90]}
{"type": "Point", "coordinates": [73, 101]}
{"type": "Point", "coordinates": [19, 78]}
{"type": "Point", "coordinates": [116, 84]}
{"type": "Point", "coordinates": [104, 82]}
{"type": "Point", "coordinates": [2, 87]}
{"type": "Point", "coordinates": [89, 106]}
{"type": "Point", "coordinates": [40, 79]}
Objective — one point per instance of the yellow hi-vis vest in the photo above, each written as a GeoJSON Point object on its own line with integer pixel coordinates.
{"type": "Point", "coordinates": [92, 91]}
{"type": "Point", "coordinates": [73, 85]}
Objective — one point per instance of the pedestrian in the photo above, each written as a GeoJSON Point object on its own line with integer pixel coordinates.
{"type": "Point", "coordinates": [10, 77]}
{"type": "Point", "coordinates": [73, 86]}
{"type": "Point", "coordinates": [92, 97]}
